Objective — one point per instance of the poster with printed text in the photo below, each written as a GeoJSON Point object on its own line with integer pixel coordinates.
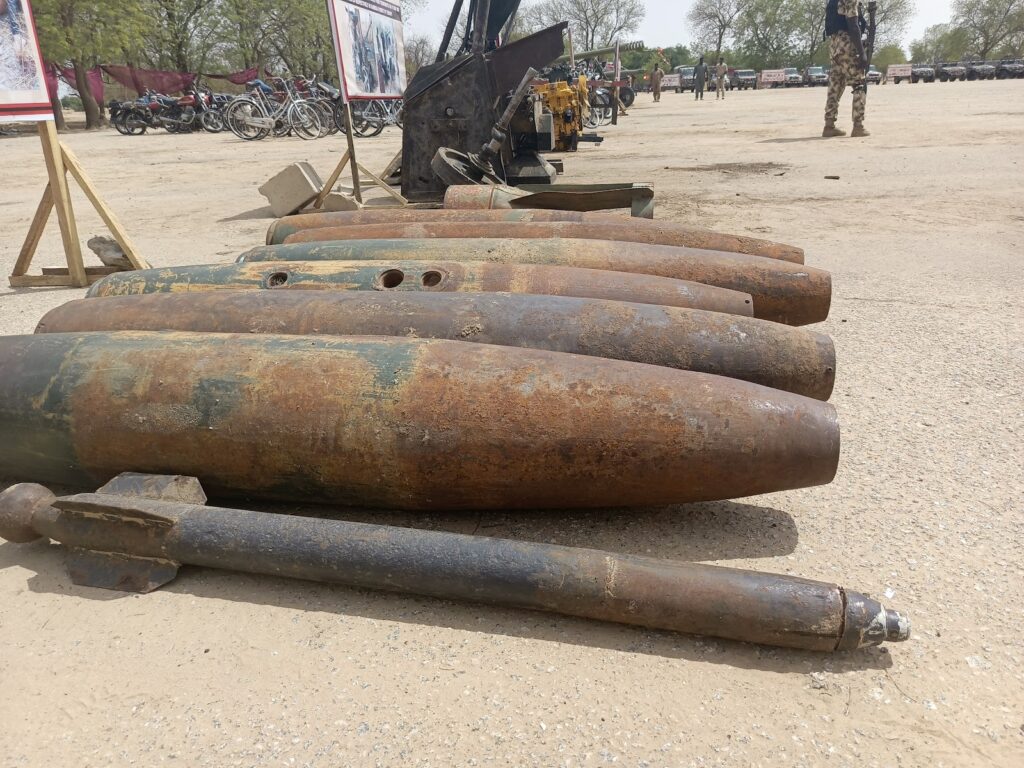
{"type": "Point", "coordinates": [369, 48]}
{"type": "Point", "coordinates": [23, 94]}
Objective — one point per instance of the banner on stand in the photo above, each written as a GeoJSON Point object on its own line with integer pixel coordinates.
{"type": "Point", "coordinates": [369, 48]}
{"type": "Point", "coordinates": [23, 94]}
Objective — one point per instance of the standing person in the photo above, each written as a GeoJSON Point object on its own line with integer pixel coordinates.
{"type": "Point", "coordinates": [844, 25]}
{"type": "Point", "coordinates": [700, 77]}
{"type": "Point", "coordinates": [721, 73]}
{"type": "Point", "coordinates": [656, 77]}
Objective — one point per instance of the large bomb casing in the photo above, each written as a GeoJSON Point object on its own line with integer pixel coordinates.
{"type": "Point", "coordinates": [765, 353]}
{"type": "Point", "coordinates": [789, 293]}
{"type": "Point", "coordinates": [427, 276]}
{"type": "Point", "coordinates": [398, 423]}
{"type": "Point", "coordinates": [597, 225]}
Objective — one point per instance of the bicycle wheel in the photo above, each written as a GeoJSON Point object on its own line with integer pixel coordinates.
{"type": "Point", "coordinates": [240, 116]}
{"type": "Point", "coordinates": [304, 120]}
{"type": "Point", "coordinates": [327, 117]}
{"type": "Point", "coordinates": [367, 118]}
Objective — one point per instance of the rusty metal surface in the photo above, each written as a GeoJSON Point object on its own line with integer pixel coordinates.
{"type": "Point", "coordinates": [703, 599]}
{"type": "Point", "coordinates": [398, 423]}
{"type": "Point", "coordinates": [520, 223]}
{"type": "Point", "coordinates": [427, 276]}
{"type": "Point", "coordinates": [765, 353]}
{"type": "Point", "coordinates": [788, 293]}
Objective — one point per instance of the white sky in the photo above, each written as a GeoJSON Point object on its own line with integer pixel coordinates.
{"type": "Point", "coordinates": [665, 21]}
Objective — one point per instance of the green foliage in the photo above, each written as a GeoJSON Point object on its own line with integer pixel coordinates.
{"type": "Point", "coordinates": [940, 42]}
{"type": "Point", "coordinates": [989, 24]}
{"type": "Point", "coordinates": [889, 54]}
{"type": "Point", "coordinates": [71, 102]}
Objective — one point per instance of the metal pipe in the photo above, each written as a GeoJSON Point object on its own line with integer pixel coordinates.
{"type": "Point", "coordinates": [762, 352]}
{"type": "Point", "coordinates": [449, 30]}
{"type": "Point", "coordinates": [133, 543]}
{"type": "Point", "coordinates": [428, 276]}
{"type": "Point", "coordinates": [417, 424]}
{"type": "Point", "coordinates": [782, 292]}
{"type": "Point", "coordinates": [479, 40]}
{"type": "Point", "coordinates": [636, 45]}
{"type": "Point", "coordinates": [579, 224]}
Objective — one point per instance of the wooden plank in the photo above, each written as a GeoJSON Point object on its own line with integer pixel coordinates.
{"type": "Point", "coordinates": [383, 184]}
{"type": "Point", "coordinates": [54, 158]}
{"type": "Point", "coordinates": [35, 232]}
{"type": "Point", "coordinates": [318, 202]}
{"type": "Point", "coordinates": [37, 281]}
{"type": "Point", "coordinates": [356, 192]}
{"type": "Point", "coordinates": [393, 166]}
{"type": "Point", "coordinates": [98, 271]}
{"type": "Point", "coordinates": [72, 164]}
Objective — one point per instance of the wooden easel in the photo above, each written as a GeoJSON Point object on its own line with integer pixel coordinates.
{"type": "Point", "coordinates": [59, 162]}
{"type": "Point", "coordinates": [357, 168]}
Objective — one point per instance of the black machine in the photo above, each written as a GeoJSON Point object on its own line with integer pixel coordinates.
{"type": "Point", "coordinates": [455, 102]}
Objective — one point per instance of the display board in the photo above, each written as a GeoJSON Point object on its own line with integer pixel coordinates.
{"type": "Point", "coordinates": [369, 48]}
{"type": "Point", "coordinates": [23, 94]}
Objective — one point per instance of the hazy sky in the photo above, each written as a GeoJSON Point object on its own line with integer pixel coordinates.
{"type": "Point", "coordinates": [665, 21]}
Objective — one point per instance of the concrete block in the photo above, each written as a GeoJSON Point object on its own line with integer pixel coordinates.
{"type": "Point", "coordinates": [292, 189]}
{"type": "Point", "coordinates": [339, 201]}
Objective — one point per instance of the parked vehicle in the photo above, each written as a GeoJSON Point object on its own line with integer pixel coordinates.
{"type": "Point", "coordinates": [191, 111]}
{"type": "Point", "coordinates": [899, 72]}
{"type": "Point", "coordinates": [815, 76]}
{"type": "Point", "coordinates": [772, 78]}
{"type": "Point", "coordinates": [948, 71]}
{"type": "Point", "coordinates": [874, 75]}
{"type": "Point", "coordinates": [922, 73]}
{"type": "Point", "coordinates": [745, 78]}
{"type": "Point", "coordinates": [980, 70]}
{"type": "Point", "coordinates": [792, 77]}
{"type": "Point", "coordinates": [713, 82]}
{"type": "Point", "coordinates": [1009, 68]}
{"type": "Point", "coordinates": [685, 79]}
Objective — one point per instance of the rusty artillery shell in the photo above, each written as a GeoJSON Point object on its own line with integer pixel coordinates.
{"type": "Point", "coordinates": [415, 424]}
{"type": "Point", "coordinates": [688, 339]}
{"type": "Point", "coordinates": [527, 223]}
{"type": "Point", "coordinates": [117, 539]}
{"type": "Point", "coordinates": [653, 234]}
{"type": "Point", "coordinates": [432, 276]}
{"type": "Point", "coordinates": [783, 292]}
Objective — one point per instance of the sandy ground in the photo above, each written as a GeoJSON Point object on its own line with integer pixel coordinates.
{"type": "Point", "coordinates": [923, 232]}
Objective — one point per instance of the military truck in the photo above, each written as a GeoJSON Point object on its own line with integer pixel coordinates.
{"type": "Point", "coordinates": [980, 70]}
{"type": "Point", "coordinates": [815, 76]}
{"type": "Point", "coordinates": [1009, 68]}
{"type": "Point", "coordinates": [950, 70]}
{"type": "Point", "coordinates": [685, 79]}
{"type": "Point", "coordinates": [792, 77]}
{"type": "Point", "coordinates": [745, 78]}
{"type": "Point", "coordinates": [874, 75]}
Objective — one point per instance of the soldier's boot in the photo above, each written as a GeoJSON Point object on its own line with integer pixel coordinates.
{"type": "Point", "coordinates": [858, 130]}
{"type": "Point", "coordinates": [831, 130]}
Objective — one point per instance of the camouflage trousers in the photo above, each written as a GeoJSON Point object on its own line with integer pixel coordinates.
{"type": "Point", "coordinates": [845, 71]}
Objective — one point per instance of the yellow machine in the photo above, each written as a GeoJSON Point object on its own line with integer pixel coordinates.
{"type": "Point", "coordinates": [569, 105]}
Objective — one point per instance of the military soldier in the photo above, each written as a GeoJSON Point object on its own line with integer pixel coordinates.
{"type": "Point", "coordinates": [700, 78]}
{"type": "Point", "coordinates": [844, 25]}
{"type": "Point", "coordinates": [656, 77]}
{"type": "Point", "coordinates": [721, 75]}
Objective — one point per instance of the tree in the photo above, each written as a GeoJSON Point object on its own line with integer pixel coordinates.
{"type": "Point", "coordinates": [419, 51]}
{"type": "Point", "coordinates": [891, 20]}
{"type": "Point", "coordinates": [889, 54]}
{"type": "Point", "coordinates": [181, 34]}
{"type": "Point", "coordinates": [86, 33]}
{"type": "Point", "coordinates": [713, 22]}
{"type": "Point", "coordinates": [594, 23]}
{"type": "Point", "coordinates": [767, 32]}
{"type": "Point", "coordinates": [940, 42]}
{"type": "Point", "coordinates": [988, 23]}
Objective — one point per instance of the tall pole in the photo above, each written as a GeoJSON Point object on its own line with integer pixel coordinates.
{"type": "Point", "coordinates": [449, 30]}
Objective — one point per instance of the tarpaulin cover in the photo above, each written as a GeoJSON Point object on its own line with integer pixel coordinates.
{"type": "Point", "coordinates": [158, 80]}
{"type": "Point", "coordinates": [67, 74]}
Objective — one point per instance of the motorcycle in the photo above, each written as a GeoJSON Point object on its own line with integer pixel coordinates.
{"type": "Point", "coordinates": [191, 111]}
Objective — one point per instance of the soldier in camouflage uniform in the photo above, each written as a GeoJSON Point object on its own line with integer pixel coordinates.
{"type": "Point", "coordinates": [849, 64]}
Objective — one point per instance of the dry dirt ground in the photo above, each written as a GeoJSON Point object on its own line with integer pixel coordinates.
{"type": "Point", "coordinates": [923, 231]}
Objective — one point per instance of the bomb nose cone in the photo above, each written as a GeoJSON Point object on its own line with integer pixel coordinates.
{"type": "Point", "coordinates": [18, 504]}
{"type": "Point", "coordinates": [897, 626]}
